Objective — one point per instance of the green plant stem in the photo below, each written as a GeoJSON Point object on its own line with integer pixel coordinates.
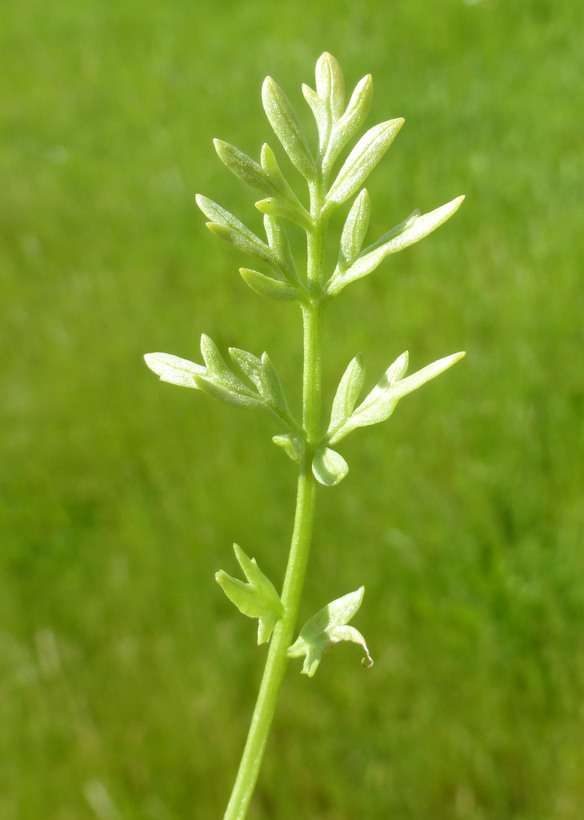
{"type": "Point", "coordinates": [281, 639]}
{"type": "Point", "coordinates": [283, 634]}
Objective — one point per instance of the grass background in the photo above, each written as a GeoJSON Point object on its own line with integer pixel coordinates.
{"type": "Point", "coordinates": [126, 679]}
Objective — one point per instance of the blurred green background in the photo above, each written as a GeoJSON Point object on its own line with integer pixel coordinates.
{"type": "Point", "coordinates": [126, 678]}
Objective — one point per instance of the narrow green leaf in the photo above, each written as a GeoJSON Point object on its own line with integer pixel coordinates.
{"type": "Point", "coordinates": [412, 230]}
{"type": "Point", "coordinates": [174, 370]}
{"type": "Point", "coordinates": [243, 167]}
{"type": "Point", "coordinates": [354, 230]}
{"type": "Point", "coordinates": [330, 84]}
{"type": "Point", "coordinates": [219, 390]}
{"type": "Point", "coordinates": [362, 160]}
{"type": "Point", "coordinates": [280, 247]}
{"type": "Point", "coordinates": [329, 467]}
{"type": "Point", "coordinates": [321, 116]}
{"type": "Point", "coordinates": [277, 206]}
{"type": "Point", "coordinates": [228, 227]}
{"type": "Point", "coordinates": [268, 287]}
{"type": "Point", "coordinates": [272, 388]}
{"type": "Point", "coordinates": [257, 598]}
{"type": "Point", "coordinates": [292, 444]}
{"type": "Point", "coordinates": [347, 393]}
{"type": "Point", "coordinates": [420, 377]}
{"type": "Point", "coordinates": [284, 122]}
{"type": "Point", "coordinates": [270, 165]}
{"type": "Point", "coordinates": [351, 121]}
{"type": "Point", "coordinates": [326, 628]}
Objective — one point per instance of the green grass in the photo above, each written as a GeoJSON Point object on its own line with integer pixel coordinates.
{"type": "Point", "coordinates": [123, 672]}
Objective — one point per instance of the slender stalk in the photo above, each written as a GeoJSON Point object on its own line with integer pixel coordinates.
{"type": "Point", "coordinates": [283, 634]}
{"type": "Point", "coordinates": [276, 661]}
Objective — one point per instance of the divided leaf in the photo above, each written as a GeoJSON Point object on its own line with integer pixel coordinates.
{"type": "Point", "coordinates": [217, 378]}
{"type": "Point", "coordinates": [257, 598]}
{"type": "Point", "coordinates": [380, 403]}
{"type": "Point", "coordinates": [414, 228]}
{"type": "Point", "coordinates": [326, 628]}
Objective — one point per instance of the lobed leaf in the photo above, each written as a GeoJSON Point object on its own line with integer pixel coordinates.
{"type": "Point", "coordinates": [380, 403]}
{"type": "Point", "coordinates": [361, 161]}
{"type": "Point", "coordinates": [326, 628]}
{"type": "Point", "coordinates": [285, 125]}
{"type": "Point", "coordinates": [257, 598]}
{"type": "Point", "coordinates": [414, 228]}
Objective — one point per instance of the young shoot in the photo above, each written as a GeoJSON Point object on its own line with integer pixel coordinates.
{"type": "Point", "coordinates": [243, 379]}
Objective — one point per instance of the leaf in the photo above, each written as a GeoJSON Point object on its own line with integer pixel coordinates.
{"type": "Point", "coordinates": [328, 100]}
{"type": "Point", "coordinates": [270, 165]}
{"type": "Point", "coordinates": [380, 403]}
{"type": "Point", "coordinates": [264, 376]}
{"type": "Point", "coordinates": [272, 388]}
{"type": "Point", "coordinates": [413, 229]}
{"type": "Point", "coordinates": [280, 246]}
{"type": "Point", "coordinates": [278, 206]}
{"type": "Point", "coordinates": [330, 83]}
{"type": "Point", "coordinates": [267, 286]}
{"type": "Point", "coordinates": [243, 167]}
{"type": "Point", "coordinates": [354, 230]}
{"type": "Point", "coordinates": [292, 444]}
{"type": "Point", "coordinates": [420, 377]}
{"type": "Point", "coordinates": [361, 161]}
{"type": "Point", "coordinates": [326, 628]}
{"type": "Point", "coordinates": [228, 227]}
{"type": "Point", "coordinates": [284, 122]}
{"type": "Point", "coordinates": [215, 378]}
{"type": "Point", "coordinates": [174, 370]}
{"type": "Point", "coordinates": [351, 121]}
{"type": "Point", "coordinates": [257, 598]}
{"type": "Point", "coordinates": [329, 467]}
{"type": "Point", "coordinates": [347, 393]}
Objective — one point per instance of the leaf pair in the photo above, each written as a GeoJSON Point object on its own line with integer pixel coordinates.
{"type": "Point", "coordinates": [326, 628]}
{"type": "Point", "coordinates": [257, 598]}
{"type": "Point", "coordinates": [217, 378]}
